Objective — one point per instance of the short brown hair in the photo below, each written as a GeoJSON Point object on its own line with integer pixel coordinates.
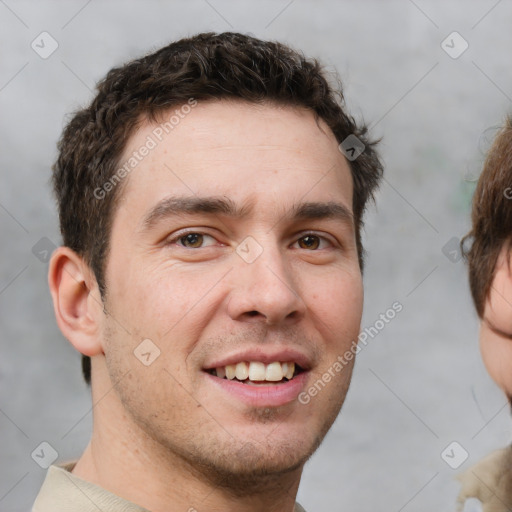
{"type": "Point", "coordinates": [204, 67]}
{"type": "Point", "coordinates": [491, 217]}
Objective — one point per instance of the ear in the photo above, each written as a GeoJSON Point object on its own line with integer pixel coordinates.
{"type": "Point", "coordinates": [76, 301]}
{"type": "Point", "coordinates": [496, 326]}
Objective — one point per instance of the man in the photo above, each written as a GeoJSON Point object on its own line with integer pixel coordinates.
{"type": "Point", "coordinates": [210, 275]}
{"type": "Point", "coordinates": [490, 277]}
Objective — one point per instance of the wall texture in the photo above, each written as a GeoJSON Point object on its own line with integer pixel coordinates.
{"type": "Point", "coordinates": [419, 383]}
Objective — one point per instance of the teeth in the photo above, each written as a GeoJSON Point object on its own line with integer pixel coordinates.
{"type": "Point", "coordinates": [230, 371]}
{"type": "Point", "coordinates": [242, 371]}
{"type": "Point", "coordinates": [288, 370]}
{"type": "Point", "coordinates": [274, 372]}
{"type": "Point", "coordinates": [257, 371]}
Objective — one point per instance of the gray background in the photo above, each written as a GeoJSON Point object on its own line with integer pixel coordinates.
{"type": "Point", "coordinates": [419, 384]}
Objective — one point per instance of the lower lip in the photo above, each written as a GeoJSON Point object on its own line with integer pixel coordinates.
{"type": "Point", "coordinates": [263, 395]}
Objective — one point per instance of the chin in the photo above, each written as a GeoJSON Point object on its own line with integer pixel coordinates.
{"type": "Point", "coordinates": [254, 467]}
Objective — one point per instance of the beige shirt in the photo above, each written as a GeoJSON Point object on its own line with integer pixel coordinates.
{"type": "Point", "coordinates": [490, 482]}
{"type": "Point", "coordinates": [62, 491]}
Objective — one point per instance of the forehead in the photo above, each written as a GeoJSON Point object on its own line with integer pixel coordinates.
{"type": "Point", "coordinates": [250, 153]}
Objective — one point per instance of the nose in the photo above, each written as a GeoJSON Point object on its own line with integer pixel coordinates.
{"type": "Point", "coordinates": [265, 291]}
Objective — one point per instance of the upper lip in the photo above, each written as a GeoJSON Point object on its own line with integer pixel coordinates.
{"type": "Point", "coordinates": [267, 356]}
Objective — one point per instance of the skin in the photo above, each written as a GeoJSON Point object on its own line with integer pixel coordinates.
{"type": "Point", "coordinates": [163, 436]}
{"type": "Point", "coordinates": [496, 325]}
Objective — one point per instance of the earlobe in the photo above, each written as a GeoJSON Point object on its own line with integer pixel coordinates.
{"type": "Point", "coordinates": [76, 301]}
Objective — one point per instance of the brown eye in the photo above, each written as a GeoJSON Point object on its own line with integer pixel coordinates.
{"type": "Point", "coordinates": [192, 240]}
{"type": "Point", "coordinates": [309, 242]}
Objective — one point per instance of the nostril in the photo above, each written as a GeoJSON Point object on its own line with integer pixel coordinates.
{"type": "Point", "coordinates": [252, 313]}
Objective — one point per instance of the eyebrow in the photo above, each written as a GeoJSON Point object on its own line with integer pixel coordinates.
{"type": "Point", "coordinates": [320, 210]}
{"type": "Point", "coordinates": [176, 206]}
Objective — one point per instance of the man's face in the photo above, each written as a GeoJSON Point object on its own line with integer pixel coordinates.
{"type": "Point", "coordinates": [234, 243]}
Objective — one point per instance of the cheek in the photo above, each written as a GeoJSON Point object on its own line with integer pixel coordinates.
{"type": "Point", "coordinates": [158, 299]}
{"type": "Point", "coordinates": [496, 349]}
{"type": "Point", "coordinates": [338, 300]}
{"type": "Point", "coordinates": [497, 356]}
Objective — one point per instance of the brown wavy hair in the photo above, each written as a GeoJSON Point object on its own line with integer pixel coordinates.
{"type": "Point", "coordinates": [204, 67]}
{"type": "Point", "coordinates": [491, 217]}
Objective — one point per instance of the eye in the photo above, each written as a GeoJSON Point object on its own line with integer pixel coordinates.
{"type": "Point", "coordinates": [311, 242]}
{"type": "Point", "coordinates": [194, 240]}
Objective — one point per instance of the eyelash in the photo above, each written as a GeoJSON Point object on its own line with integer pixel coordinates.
{"type": "Point", "coordinates": [499, 332]}
{"type": "Point", "coordinates": [176, 239]}
{"type": "Point", "coordinates": [183, 235]}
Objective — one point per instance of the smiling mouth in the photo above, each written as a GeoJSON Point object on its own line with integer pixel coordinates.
{"type": "Point", "coordinates": [256, 373]}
